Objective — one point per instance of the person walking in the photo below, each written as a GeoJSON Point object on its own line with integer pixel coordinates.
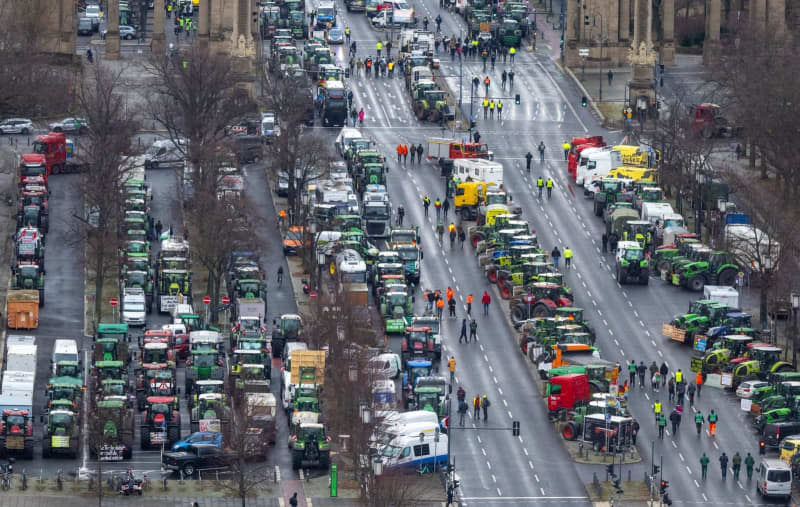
{"type": "Point", "coordinates": [549, 186]}
{"type": "Point", "coordinates": [657, 409]}
{"type": "Point", "coordinates": [541, 152]}
{"type": "Point", "coordinates": [698, 380]}
{"type": "Point", "coordinates": [463, 335]}
{"type": "Point", "coordinates": [160, 227]}
{"type": "Point", "coordinates": [681, 392]}
{"type": "Point", "coordinates": [555, 255]}
{"type": "Point", "coordinates": [540, 186]}
{"type": "Point", "coordinates": [641, 370]}
{"type": "Point", "coordinates": [566, 147]}
{"type": "Point", "coordinates": [451, 307]}
{"type": "Point", "coordinates": [528, 158]}
{"type": "Point", "coordinates": [511, 79]}
{"type": "Point", "coordinates": [426, 201]}
{"type": "Point", "coordinates": [712, 423]}
{"type": "Point", "coordinates": [473, 330]}
{"type": "Point", "coordinates": [612, 242]}
{"type": "Point", "coordinates": [678, 375]}
{"type": "Point", "coordinates": [451, 366]}
{"type": "Point", "coordinates": [656, 381]}
{"type": "Point", "coordinates": [690, 391]}
{"type": "Point", "coordinates": [293, 500]}
{"type": "Point", "coordinates": [671, 389]}
{"type": "Point", "coordinates": [503, 79]}
{"type": "Point", "coordinates": [420, 150]}
{"type": "Point", "coordinates": [567, 251]}
{"type": "Point", "coordinates": [748, 464]}
{"type": "Point", "coordinates": [675, 419]}
{"type": "Point", "coordinates": [610, 77]}
{"type": "Point", "coordinates": [439, 307]}
{"type": "Point", "coordinates": [361, 116]}
{"type": "Point", "coordinates": [437, 205]}
{"type": "Point", "coordinates": [462, 236]}
{"type": "Point", "coordinates": [486, 300]}
{"type": "Point", "coordinates": [485, 404]}
{"type": "Point", "coordinates": [662, 424]}
{"type": "Point", "coordinates": [462, 411]}
{"type": "Point", "coordinates": [698, 422]}
{"type": "Point", "coordinates": [469, 305]}
{"type": "Point", "coordinates": [632, 373]}
{"type": "Point", "coordinates": [737, 465]}
{"type": "Point", "coordinates": [653, 368]}
{"type": "Point", "coordinates": [399, 153]}
{"type": "Point", "coordinates": [446, 207]}
{"type": "Point", "coordinates": [405, 153]}
{"type": "Point", "coordinates": [723, 465]}
{"type": "Point", "coordinates": [476, 407]}
{"type": "Point", "coordinates": [704, 466]}
{"type": "Point", "coordinates": [664, 371]}
{"type": "Point", "coordinates": [634, 431]}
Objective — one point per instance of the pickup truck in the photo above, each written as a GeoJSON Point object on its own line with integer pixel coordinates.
{"type": "Point", "coordinates": [198, 457]}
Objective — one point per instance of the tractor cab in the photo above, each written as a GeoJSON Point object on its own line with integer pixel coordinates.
{"type": "Point", "coordinates": [417, 342]}
{"type": "Point", "coordinates": [155, 353]}
{"type": "Point", "coordinates": [210, 406]}
{"type": "Point", "coordinates": [68, 369]}
{"type": "Point", "coordinates": [414, 369]}
{"type": "Point", "coordinates": [249, 289]}
{"type": "Point", "coordinates": [110, 349]}
{"type": "Point", "coordinates": [428, 398]}
{"type": "Point", "coordinates": [113, 370]}
{"type": "Point", "coordinates": [64, 389]}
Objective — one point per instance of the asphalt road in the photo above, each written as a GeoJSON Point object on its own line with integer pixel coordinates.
{"type": "Point", "coordinates": [627, 319]}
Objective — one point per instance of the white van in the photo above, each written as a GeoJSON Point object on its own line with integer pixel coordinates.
{"type": "Point", "coordinates": [416, 452]}
{"type": "Point", "coordinates": [346, 135]}
{"type": "Point", "coordinates": [181, 309]}
{"type": "Point", "coordinates": [385, 436]}
{"type": "Point", "coordinates": [652, 211]}
{"type": "Point", "coordinates": [774, 478]}
{"type": "Point", "coordinates": [596, 163]}
{"type": "Point", "coordinates": [406, 418]}
{"type": "Point", "coordinates": [64, 350]}
{"type": "Point", "coordinates": [479, 169]}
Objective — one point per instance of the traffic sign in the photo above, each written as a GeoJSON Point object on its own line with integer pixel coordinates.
{"type": "Point", "coordinates": [206, 300]}
{"type": "Point", "coordinates": [312, 294]}
{"type": "Point", "coordinates": [226, 300]}
{"type": "Point", "coordinates": [583, 52]}
{"type": "Point", "coordinates": [113, 302]}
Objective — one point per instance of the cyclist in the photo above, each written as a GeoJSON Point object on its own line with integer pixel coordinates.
{"type": "Point", "coordinates": [280, 276]}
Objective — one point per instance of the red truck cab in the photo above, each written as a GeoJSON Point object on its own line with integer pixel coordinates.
{"type": "Point", "coordinates": [469, 150]}
{"type": "Point", "coordinates": [577, 145]}
{"type": "Point", "coordinates": [568, 392]}
{"type": "Point", "coordinates": [55, 149]}
{"type": "Point", "coordinates": [33, 169]}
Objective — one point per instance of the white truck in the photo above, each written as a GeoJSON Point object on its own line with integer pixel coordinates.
{"type": "Point", "coordinates": [17, 389]}
{"type": "Point", "coordinates": [652, 211]}
{"type": "Point", "coordinates": [725, 295]}
{"type": "Point", "coordinates": [479, 169]}
{"type": "Point", "coordinates": [596, 163]}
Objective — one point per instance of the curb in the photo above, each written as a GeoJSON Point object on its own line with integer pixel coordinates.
{"type": "Point", "coordinates": [595, 110]}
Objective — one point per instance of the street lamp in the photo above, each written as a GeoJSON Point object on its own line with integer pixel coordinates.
{"type": "Point", "coordinates": [602, 42]}
{"type": "Point", "coordinates": [795, 307]}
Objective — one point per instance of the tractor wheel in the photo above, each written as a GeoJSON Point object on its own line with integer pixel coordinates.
{"type": "Point", "coordinates": [696, 283]}
{"type": "Point", "coordinates": [784, 367]}
{"type": "Point", "coordinates": [597, 209]}
{"type": "Point", "coordinates": [476, 238]}
{"type": "Point", "coordinates": [506, 290]}
{"type": "Point", "coordinates": [518, 314]}
{"type": "Point", "coordinates": [727, 277]}
{"type": "Point", "coordinates": [502, 276]}
{"type": "Point", "coordinates": [145, 432]}
{"type": "Point", "coordinates": [541, 310]}
{"type": "Point", "coordinates": [570, 431]}
{"type": "Point", "coordinates": [491, 274]}
{"type": "Point", "coordinates": [173, 434]}
{"type": "Point", "coordinates": [465, 213]}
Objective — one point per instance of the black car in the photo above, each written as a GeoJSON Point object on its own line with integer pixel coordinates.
{"type": "Point", "coordinates": [774, 432]}
{"type": "Point", "coordinates": [198, 457]}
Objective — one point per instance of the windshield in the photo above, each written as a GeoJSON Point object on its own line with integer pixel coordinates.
{"type": "Point", "coordinates": [134, 307]}
{"type": "Point", "coordinates": [354, 277]}
{"type": "Point", "coordinates": [397, 299]}
{"type": "Point", "coordinates": [633, 254]}
{"type": "Point", "coordinates": [68, 370]}
{"type": "Point", "coordinates": [249, 345]}
{"type": "Point", "coordinates": [408, 254]}
{"type": "Point", "coordinates": [428, 399]}
{"type": "Point", "coordinates": [325, 12]}
{"type": "Point", "coordinates": [378, 211]}
{"type": "Point", "coordinates": [391, 451]}
{"type": "Point", "coordinates": [673, 222]}
{"type": "Point", "coordinates": [135, 279]}
{"type": "Point", "coordinates": [250, 325]}
{"type": "Point", "coordinates": [290, 325]}
{"type": "Point", "coordinates": [419, 371]}
{"type": "Point", "coordinates": [33, 170]}
{"type": "Point", "coordinates": [29, 272]}
{"type": "Point", "coordinates": [204, 360]}
{"type": "Point", "coordinates": [40, 147]}
{"type": "Point", "coordinates": [155, 356]}
{"type": "Point", "coordinates": [160, 408]}
{"type": "Point", "coordinates": [62, 393]}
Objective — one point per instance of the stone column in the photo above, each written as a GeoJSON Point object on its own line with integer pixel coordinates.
{"type": "Point", "coordinates": [641, 55]}
{"type": "Point", "coordinates": [776, 17]}
{"type": "Point", "coordinates": [711, 45]}
{"type": "Point", "coordinates": [204, 19]}
{"type": "Point", "coordinates": [112, 33]}
{"type": "Point", "coordinates": [758, 16]}
{"type": "Point", "coordinates": [624, 20]}
{"type": "Point", "coordinates": [68, 36]}
{"type": "Point", "coordinates": [668, 41]}
{"type": "Point", "coordinates": [158, 46]}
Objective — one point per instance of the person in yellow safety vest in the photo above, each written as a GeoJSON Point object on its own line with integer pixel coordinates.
{"type": "Point", "coordinates": [379, 47]}
{"type": "Point", "coordinates": [491, 108]}
{"type": "Point", "coordinates": [499, 109]}
{"type": "Point", "coordinates": [451, 227]}
{"type": "Point", "coordinates": [390, 65]}
{"type": "Point", "coordinates": [549, 187]}
{"type": "Point", "coordinates": [657, 409]}
{"type": "Point", "coordinates": [639, 238]}
{"type": "Point", "coordinates": [485, 107]}
{"type": "Point", "coordinates": [174, 288]}
{"type": "Point", "coordinates": [566, 146]}
{"type": "Point", "coordinates": [679, 376]}
{"type": "Point", "coordinates": [180, 22]}
{"type": "Point", "coordinates": [649, 239]}
{"type": "Point", "coordinates": [512, 51]}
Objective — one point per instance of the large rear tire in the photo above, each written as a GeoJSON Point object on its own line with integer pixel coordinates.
{"type": "Point", "coordinates": [506, 290]}
{"type": "Point", "coordinates": [541, 310]}
{"type": "Point", "coordinates": [570, 431]}
{"type": "Point", "coordinates": [696, 283]}
{"type": "Point", "coordinates": [727, 277]}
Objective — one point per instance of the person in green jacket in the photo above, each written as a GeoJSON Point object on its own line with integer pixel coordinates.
{"type": "Point", "coordinates": [662, 423]}
{"type": "Point", "coordinates": [748, 463]}
{"type": "Point", "coordinates": [698, 421]}
{"type": "Point", "coordinates": [704, 465]}
{"type": "Point", "coordinates": [737, 465]}
{"type": "Point", "coordinates": [632, 373]}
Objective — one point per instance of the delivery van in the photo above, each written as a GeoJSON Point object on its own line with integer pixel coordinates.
{"type": "Point", "coordinates": [774, 478]}
{"type": "Point", "coordinates": [479, 169]}
{"type": "Point", "coordinates": [595, 163]}
{"type": "Point", "coordinates": [418, 452]}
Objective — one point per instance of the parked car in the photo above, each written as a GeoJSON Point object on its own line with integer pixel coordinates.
{"type": "Point", "coordinates": [16, 126]}
{"type": "Point", "coordinates": [198, 457]}
{"type": "Point", "coordinates": [94, 14]}
{"type": "Point", "coordinates": [126, 32]}
{"type": "Point", "coordinates": [200, 437]}
{"type": "Point", "coordinates": [85, 26]}
{"type": "Point", "coordinates": [78, 125]}
{"type": "Point", "coordinates": [747, 388]}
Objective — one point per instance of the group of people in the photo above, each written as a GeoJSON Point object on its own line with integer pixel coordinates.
{"type": "Point", "coordinates": [433, 298]}
{"type": "Point", "coordinates": [403, 151]}
{"type": "Point", "coordinates": [183, 18]}
{"type": "Point", "coordinates": [478, 402]}
{"type": "Point", "coordinates": [736, 465]}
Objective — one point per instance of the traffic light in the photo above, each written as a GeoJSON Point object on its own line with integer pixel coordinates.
{"type": "Point", "coordinates": [515, 424]}
{"type": "Point", "coordinates": [516, 99]}
{"type": "Point", "coordinates": [656, 468]}
{"type": "Point", "coordinates": [762, 447]}
{"type": "Point", "coordinates": [664, 486]}
{"type": "Point", "coordinates": [584, 101]}
{"type": "Point", "coordinates": [472, 125]}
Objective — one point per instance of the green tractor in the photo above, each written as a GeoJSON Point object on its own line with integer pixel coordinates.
{"type": "Point", "coordinates": [665, 254]}
{"type": "Point", "coordinates": [312, 445]}
{"type": "Point", "coordinates": [764, 360]}
{"type": "Point", "coordinates": [509, 33]}
{"type": "Point", "coordinates": [397, 310]}
{"type": "Point", "coordinates": [431, 105]}
{"type": "Point", "coordinates": [524, 276]}
{"type": "Point", "coordinates": [694, 252]}
{"type": "Point", "coordinates": [631, 264]}
{"type": "Point", "coordinates": [716, 358]}
{"type": "Point", "coordinates": [429, 398]}
{"type": "Point", "coordinates": [111, 349]}
{"type": "Point", "coordinates": [209, 406]}
{"type": "Point", "coordinates": [480, 233]}
{"type": "Point", "coordinates": [372, 174]}
{"type": "Point", "coordinates": [61, 434]}
{"type": "Point", "coordinates": [204, 364]}
{"type": "Point", "coordinates": [703, 314]}
{"type": "Point", "coordinates": [607, 192]}
{"type": "Point", "coordinates": [411, 257]}
{"type": "Point", "coordinates": [28, 276]}
{"type": "Point", "coordinates": [718, 269]}
{"type": "Point", "coordinates": [500, 265]}
{"type": "Point", "coordinates": [66, 392]}
{"type": "Point", "coordinates": [498, 242]}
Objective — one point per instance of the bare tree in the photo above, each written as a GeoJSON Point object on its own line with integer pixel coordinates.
{"type": "Point", "coordinates": [102, 102]}
{"type": "Point", "coordinates": [195, 97]}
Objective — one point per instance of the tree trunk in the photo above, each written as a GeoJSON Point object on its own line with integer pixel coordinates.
{"type": "Point", "coordinates": [99, 277]}
{"type": "Point", "coordinates": [762, 306]}
{"type": "Point", "coordinates": [214, 282]}
{"type": "Point", "coordinates": [752, 155]}
{"type": "Point", "coordinates": [763, 165]}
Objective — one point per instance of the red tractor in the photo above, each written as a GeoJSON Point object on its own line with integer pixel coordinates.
{"type": "Point", "coordinates": [577, 145]}
{"type": "Point", "coordinates": [16, 433]}
{"type": "Point", "coordinates": [161, 422]}
{"type": "Point", "coordinates": [417, 344]}
{"type": "Point", "coordinates": [541, 300]}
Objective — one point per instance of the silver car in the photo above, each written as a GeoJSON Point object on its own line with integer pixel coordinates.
{"type": "Point", "coordinates": [78, 125]}
{"type": "Point", "coordinates": [126, 32]}
{"type": "Point", "coordinates": [16, 126]}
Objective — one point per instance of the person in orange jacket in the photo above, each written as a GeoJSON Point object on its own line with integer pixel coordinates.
{"type": "Point", "coordinates": [439, 307]}
{"type": "Point", "coordinates": [450, 293]}
{"type": "Point", "coordinates": [469, 305]}
{"type": "Point", "coordinates": [399, 152]}
{"type": "Point", "coordinates": [405, 153]}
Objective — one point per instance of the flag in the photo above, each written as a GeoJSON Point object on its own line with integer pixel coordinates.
{"type": "Point", "coordinates": [166, 234]}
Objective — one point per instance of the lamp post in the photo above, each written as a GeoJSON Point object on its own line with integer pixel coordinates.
{"type": "Point", "coordinates": [795, 307]}
{"type": "Point", "coordinates": [602, 41]}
